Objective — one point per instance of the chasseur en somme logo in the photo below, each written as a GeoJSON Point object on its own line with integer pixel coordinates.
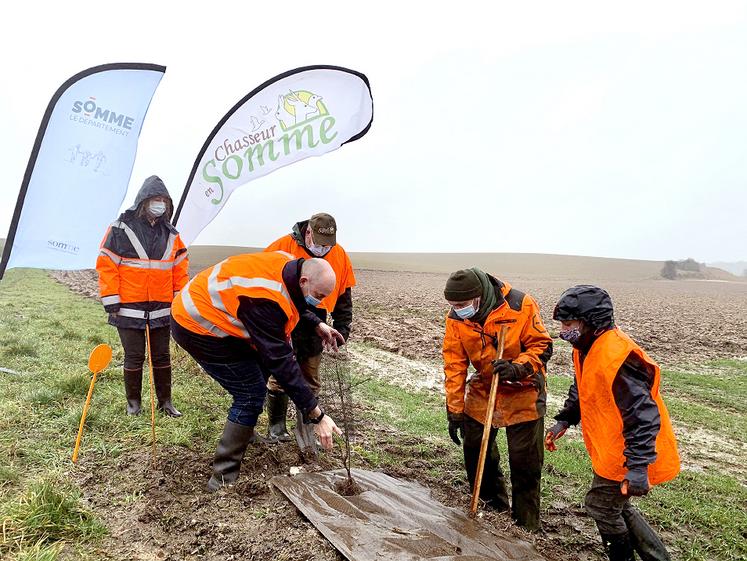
{"type": "Point", "coordinates": [91, 114]}
{"type": "Point", "coordinates": [298, 123]}
{"type": "Point", "coordinates": [65, 247]}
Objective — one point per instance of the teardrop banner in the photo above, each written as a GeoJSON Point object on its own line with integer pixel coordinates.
{"type": "Point", "coordinates": [80, 165]}
{"type": "Point", "coordinates": [305, 112]}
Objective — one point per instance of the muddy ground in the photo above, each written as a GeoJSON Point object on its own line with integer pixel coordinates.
{"type": "Point", "coordinates": [165, 513]}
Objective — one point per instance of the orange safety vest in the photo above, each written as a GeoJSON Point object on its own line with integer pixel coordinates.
{"type": "Point", "coordinates": [209, 303]}
{"type": "Point", "coordinates": [337, 257]}
{"type": "Point", "coordinates": [133, 282]}
{"type": "Point", "coordinates": [601, 422]}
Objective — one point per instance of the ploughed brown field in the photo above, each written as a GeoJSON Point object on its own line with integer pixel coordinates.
{"type": "Point", "coordinates": [399, 305]}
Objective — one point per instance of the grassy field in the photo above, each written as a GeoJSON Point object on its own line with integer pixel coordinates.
{"type": "Point", "coordinates": [46, 333]}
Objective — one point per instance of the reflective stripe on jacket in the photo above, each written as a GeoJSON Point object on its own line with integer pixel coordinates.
{"type": "Point", "coordinates": [336, 257]}
{"type": "Point", "coordinates": [208, 304]}
{"type": "Point", "coordinates": [527, 342]}
{"type": "Point", "coordinates": [136, 284]}
{"type": "Point", "coordinates": [601, 420]}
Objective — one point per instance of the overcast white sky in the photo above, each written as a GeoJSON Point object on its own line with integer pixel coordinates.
{"type": "Point", "coordinates": [589, 128]}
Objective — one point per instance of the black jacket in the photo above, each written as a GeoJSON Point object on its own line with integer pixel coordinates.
{"type": "Point", "coordinates": [305, 340]}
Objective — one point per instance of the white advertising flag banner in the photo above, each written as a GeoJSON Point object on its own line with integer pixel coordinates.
{"type": "Point", "coordinates": [301, 113]}
{"type": "Point", "coordinates": [80, 166]}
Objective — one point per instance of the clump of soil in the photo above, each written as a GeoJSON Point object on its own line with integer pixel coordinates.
{"type": "Point", "coordinates": [348, 487]}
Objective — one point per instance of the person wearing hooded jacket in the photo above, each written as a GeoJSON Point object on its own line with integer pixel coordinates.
{"type": "Point", "coordinates": [480, 305]}
{"type": "Point", "coordinates": [142, 264]}
{"type": "Point", "coordinates": [316, 237]}
{"type": "Point", "coordinates": [625, 424]}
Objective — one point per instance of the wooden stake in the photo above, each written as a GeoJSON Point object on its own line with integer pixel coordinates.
{"type": "Point", "coordinates": [487, 427]}
{"type": "Point", "coordinates": [152, 394]}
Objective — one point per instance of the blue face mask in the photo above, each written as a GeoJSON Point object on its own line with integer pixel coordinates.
{"type": "Point", "coordinates": [570, 335]}
{"type": "Point", "coordinates": [466, 312]}
{"type": "Point", "coordinates": [311, 301]}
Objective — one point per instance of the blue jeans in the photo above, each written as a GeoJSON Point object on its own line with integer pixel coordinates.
{"type": "Point", "coordinates": [247, 385]}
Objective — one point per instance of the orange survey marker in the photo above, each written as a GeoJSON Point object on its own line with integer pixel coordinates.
{"type": "Point", "coordinates": [488, 425]}
{"type": "Point", "coordinates": [97, 362]}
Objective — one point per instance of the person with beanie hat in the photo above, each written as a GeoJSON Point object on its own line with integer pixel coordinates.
{"type": "Point", "coordinates": [480, 305]}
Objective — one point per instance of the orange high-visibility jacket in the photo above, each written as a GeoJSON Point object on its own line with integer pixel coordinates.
{"type": "Point", "coordinates": [337, 257]}
{"type": "Point", "coordinates": [601, 421]}
{"type": "Point", "coordinates": [527, 342]}
{"type": "Point", "coordinates": [135, 286]}
{"type": "Point", "coordinates": [209, 303]}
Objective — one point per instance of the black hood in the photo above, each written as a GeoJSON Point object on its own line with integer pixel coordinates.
{"type": "Point", "coordinates": [153, 187]}
{"type": "Point", "coordinates": [299, 232]}
{"type": "Point", "coordinates": [586, 302]}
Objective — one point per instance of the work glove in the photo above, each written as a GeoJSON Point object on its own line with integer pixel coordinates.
{"type": "Point", "coordinates": [112, 308]}
{"type": "Point", "coordinates": [636, 483]}
{"type": "Point", "coordinates": [508, 372]}
{"type": "Point", "coordinates": [554, 433]}
{"type": "Point", "coordinates": [456, 427]}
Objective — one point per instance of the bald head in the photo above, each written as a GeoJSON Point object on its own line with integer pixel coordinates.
{"type": "Point", "coordinates": [317, 278]}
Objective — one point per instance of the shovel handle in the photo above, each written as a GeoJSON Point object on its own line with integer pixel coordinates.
{"type": "Point", "coordinates": [487, 426]}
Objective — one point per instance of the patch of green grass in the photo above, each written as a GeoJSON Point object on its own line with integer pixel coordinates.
{"type": "Point", "coordinates": [45, 513]}
{"type": "Point", "coordinates": [38, 552]}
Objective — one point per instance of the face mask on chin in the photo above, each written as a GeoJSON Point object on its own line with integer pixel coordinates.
{"type": "Point", "coordinates": [311, 301]}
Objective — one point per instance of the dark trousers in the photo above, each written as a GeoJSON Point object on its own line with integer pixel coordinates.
{"type": "Point", "coordinates": [133, 342]}
{"type": "Point", "coordinates": [247, 385]}
{"type": "Point", "coordinates": [243, 377]}
{"type": "Point", "coordinates": [525, 457]}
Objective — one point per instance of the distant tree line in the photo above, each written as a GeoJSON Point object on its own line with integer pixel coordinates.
{"type": "Point", "coordinates": [671, 269]}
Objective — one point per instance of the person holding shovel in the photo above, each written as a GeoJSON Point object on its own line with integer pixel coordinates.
{"type": "Point", "coordinates": [236, 319]}
{"type": "Point", "coordinates": [625, 424]}
{"type": "Point", "coordinates": [316, 237]}
{"type": "Point", "coordinates": [480, 306]}
{"type": "Point", "coordinates": [142, 264]}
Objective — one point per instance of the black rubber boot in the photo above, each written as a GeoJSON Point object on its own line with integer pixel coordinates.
{"type": "Point", "coordinates": [229, 453]}
{"type": "Point", "coordinates": [618, 547]}
{"type": "Point", "coordinates": [162, 382]}
{"type": "Point", "coordinates": [645, 540]}
{"type": "Point", "coordinates": [277, 410]}
{"type": "Point", "coordinates": [133, 383]}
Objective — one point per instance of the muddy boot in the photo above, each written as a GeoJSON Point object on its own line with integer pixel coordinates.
{"type": "Point", "coordinates": [645, 540]}
{"type": "Point", "coordinates": [162, 382]}
{"type": "Point", "coordinates": [133, 383]}
{"type": "Point", "coordinates": [277, 410]}
{"type": "Point", "coordinates": [305, 437]}
{"type": "Point", "coordinates": [229, 453]}
{"type": "Point", "coordinates": [618, 547]}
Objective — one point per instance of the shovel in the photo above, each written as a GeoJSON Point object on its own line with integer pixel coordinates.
{"type": "Point", "coordinates": [305, 436]}
{"type": "Point", "coordinates": [487, 426]}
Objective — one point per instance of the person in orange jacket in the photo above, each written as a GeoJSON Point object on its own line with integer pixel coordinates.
{"type": "Point", "coordinates": [480, 305]}
{"type": "Point", "coordinates": [625, 424]}
{"type": "Point", "coordinates": [141, 265]}
{"type": "Point", "coordinates": [316, 237]}
{"type": "Point", "coordinates": [236, 319]}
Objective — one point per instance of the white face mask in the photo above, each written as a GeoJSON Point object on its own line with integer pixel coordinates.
{"type": "Point", "coordinates": [157, 208]}
{"type": "Point", "coordinates": [320, 250]}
